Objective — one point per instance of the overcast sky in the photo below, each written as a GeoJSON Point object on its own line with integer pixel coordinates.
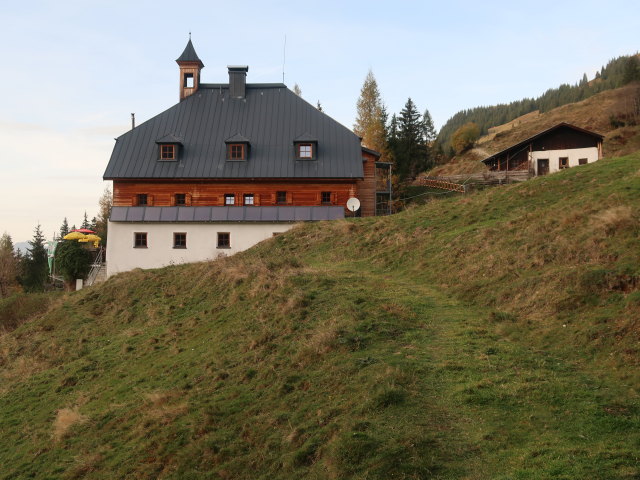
{"type": "Point", "coordinates": [73, 71]}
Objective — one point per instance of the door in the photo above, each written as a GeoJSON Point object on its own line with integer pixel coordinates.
{"type": "Point", "coordinates": [543, 166]}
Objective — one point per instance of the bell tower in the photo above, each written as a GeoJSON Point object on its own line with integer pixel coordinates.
{"type": "Point", "coordinates": [190, 66]}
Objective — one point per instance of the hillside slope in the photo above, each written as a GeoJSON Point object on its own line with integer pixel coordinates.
{"type": "Point", "coordinates": [488, 336]}
{"type": "Point", "coordinates": [593, 114]}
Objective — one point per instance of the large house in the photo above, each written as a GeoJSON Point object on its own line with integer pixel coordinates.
{"type": "Point", "coordinates": [228, 166]}
{"type": "Point", "coordinates": [561, 146]}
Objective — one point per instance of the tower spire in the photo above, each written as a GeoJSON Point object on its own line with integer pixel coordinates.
{"type": "Point", "coordinates": [190, 66]}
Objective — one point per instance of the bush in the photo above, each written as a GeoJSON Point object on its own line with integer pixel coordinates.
{"type": "Point", "coordinates": [72, 260]}
{"type": "Point", "coordinates": [464, 138]}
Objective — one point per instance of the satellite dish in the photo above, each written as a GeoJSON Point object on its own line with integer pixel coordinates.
{"type": "Point", "coordinates": [353, 204]}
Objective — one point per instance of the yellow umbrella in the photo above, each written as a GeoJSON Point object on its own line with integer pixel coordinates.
{"type": "Point", "coordinates": [74, 236]}
{"type": "Point", "coordinates": [92, 238]}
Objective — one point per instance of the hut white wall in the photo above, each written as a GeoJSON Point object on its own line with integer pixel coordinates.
{"type": "Point", "coordinates": [574, 154]}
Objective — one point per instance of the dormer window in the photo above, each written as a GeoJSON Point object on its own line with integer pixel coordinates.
{"type": "Point", "coordinates": [236, 151]}
{"type": "Point", "coordinates": [169, 147]}
{"type": "Point", "coordinates": [237, 148]}
{"type": "Point", "coordinates": [305, 151]}
{"type": "Point", "coordinates": [167, 152]}
{"type": "Point", "coordinates": [306, 147]}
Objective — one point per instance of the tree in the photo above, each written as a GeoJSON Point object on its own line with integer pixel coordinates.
{"type": "Point", "coordinates": [36, 266]}
{"type": "Point", "coordinates": [73, 261]}
{"type": "Point", "coordinates": [64, 228]}
{"type": "Point", "coordinates": [631, 70]}
{"type": "Point", "coordinates": [371, 120]}
{"type": "Point", "coordinates": [104, 211]}
{"type": "Point", "coordinates": [319, 106]}
{"type": "Point", "coordinates": [85, 221]}
{"type": "Point", "coordinates": [297, 90]}
{"type": "Point", "coordinates": [410, 149]}
{"type": "Point", "coordinates": [8, 265]}
{"type": "Point", "coordinates": [464, 138]}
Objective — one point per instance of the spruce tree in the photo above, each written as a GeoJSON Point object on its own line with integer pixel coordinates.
{"type": "Point", "coordinates": [36, 264]}
{"type": "Point", "coordinates": [411, 148]}
{"type": "Point", "coordinates": [85, 221]}
{"type": "Point", "coordinates": [297, 90]}
{"type": "Point", "coordinates": [371, 119]}
{"type": "Point", "coordinates": [64, 228]}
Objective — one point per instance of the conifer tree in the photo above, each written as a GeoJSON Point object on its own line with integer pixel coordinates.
{"type": "Point", "coordinates": [85, 221]}
{"type": "Point", "coordinates": [371, 119]}
{"type": "Point", "coordinates": [319, 106]}
{"type": "Point", "coordinates": [297, 90]}
{"type": "Point", "coordinates": [8, 265]}
{"type": "Point", "coordinates": [64, 228]}
{"type": "Point", "coordinates": [36, 264]}
{"type": "Point", "coordinates": [411, 147]}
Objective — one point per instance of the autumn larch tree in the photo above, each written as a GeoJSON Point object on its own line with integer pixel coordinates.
{"type": "Point", "coordinates": [371, 120]}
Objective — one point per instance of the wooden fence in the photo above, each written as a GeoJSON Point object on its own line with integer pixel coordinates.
{"type": "Point", "coordinates": [483, 178]}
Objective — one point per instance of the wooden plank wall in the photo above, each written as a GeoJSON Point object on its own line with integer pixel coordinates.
{"type": "Point", "coordinates": [206, 193]}
{"type": "Point", "coordinates": [366, 188]}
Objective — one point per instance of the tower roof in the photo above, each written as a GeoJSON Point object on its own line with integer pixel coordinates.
{"type": "Point", "coordinates": [189, 54]}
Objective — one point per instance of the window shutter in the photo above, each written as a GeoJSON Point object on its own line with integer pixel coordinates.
{"type": "Point", "coordinates": [134, 201]}
{"type": "Point", "coordinates": [150, 200]}
{"type": "Point", "coordinates": [172, 200]}
{"type": "Point", "coordinates": [187, 199]}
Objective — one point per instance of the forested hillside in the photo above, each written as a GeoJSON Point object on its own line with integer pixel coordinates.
{"type": "Point", "coordinates": [618, 72]}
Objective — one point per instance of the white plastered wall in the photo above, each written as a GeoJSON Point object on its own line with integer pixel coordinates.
{"type": "Point", "coordinates": [574, 154]}
{"type": "Point", "coordinates": [202, 241]}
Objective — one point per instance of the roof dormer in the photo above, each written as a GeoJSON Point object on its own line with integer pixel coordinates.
{"type": "Point", "coordinates": [306, 147]}
{"type": "Point", "coordinates": [190, 66]}
{"type": "Point", "coordinates": [169, 148]}
{"type": "Point", "coordinates": [238, 148]}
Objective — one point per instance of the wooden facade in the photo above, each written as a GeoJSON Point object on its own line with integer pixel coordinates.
{"type": "Point", "coordinates": [299, 192]}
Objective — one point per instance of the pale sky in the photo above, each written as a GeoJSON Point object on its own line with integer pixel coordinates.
{"type": "Point", "coordinates": [74, 71]}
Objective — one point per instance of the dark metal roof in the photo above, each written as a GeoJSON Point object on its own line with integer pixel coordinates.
{"type": "Point", "coordinates": [372, 152]}
{"type": "Point", "coordinates": [540, 134]}
{"type": "Point", "coordinates": [237, 138]}
{"type": "Point", "coordinates": [271, 116]}
{"type": "Point", "coordinates": [225, 214]}
{"type": "Point", "coordinates": [169, 139]}
{"type": "Point", "coordinates": [189, 54]}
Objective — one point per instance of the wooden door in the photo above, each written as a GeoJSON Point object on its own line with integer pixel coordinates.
{"type": "Point", "coordinates": [543, 166]}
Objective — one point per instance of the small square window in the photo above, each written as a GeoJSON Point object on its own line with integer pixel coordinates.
{"type": "Point", "coordinates": [304, 150]}
{"type": "Point", "coordinates": [281, 197]}
{"type": "Point", "coordinates": [248, 198]}
{"type": "Point", "coordinates": [582, 161]}
{"type": "Point", "coordinates": [179, 240]}
{"type": "Point", "coordinates": [235, 151]}
{"type": "Point", "coordinates": [229, 199]}
{"type": "Point", "coordinates": [563, 162]}
{"type": "Point", "coordinates": [140, 240]}
{"type": "Point", "coordinates": [181, 199]}
{"type": "Point", "coordinates": [326, 198]}
{"type": "Point", "coordinates": [224, 240]}
{"type": "Point", "coordinates": [143, 199]}
{"type": "Point", "coordinates": [167, 152]}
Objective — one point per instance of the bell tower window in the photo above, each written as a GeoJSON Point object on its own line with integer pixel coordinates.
{"type": "Point", "coordinates": [189, 81]}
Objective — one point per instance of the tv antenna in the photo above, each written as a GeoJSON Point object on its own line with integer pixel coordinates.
{"type": "Point", "coordinates": [284, 56]}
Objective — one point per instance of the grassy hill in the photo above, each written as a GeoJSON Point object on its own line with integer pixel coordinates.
{"type": "Point", "coordinates": [595, 114]}
{"type": "Point", "coordinates": [488, 336]}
